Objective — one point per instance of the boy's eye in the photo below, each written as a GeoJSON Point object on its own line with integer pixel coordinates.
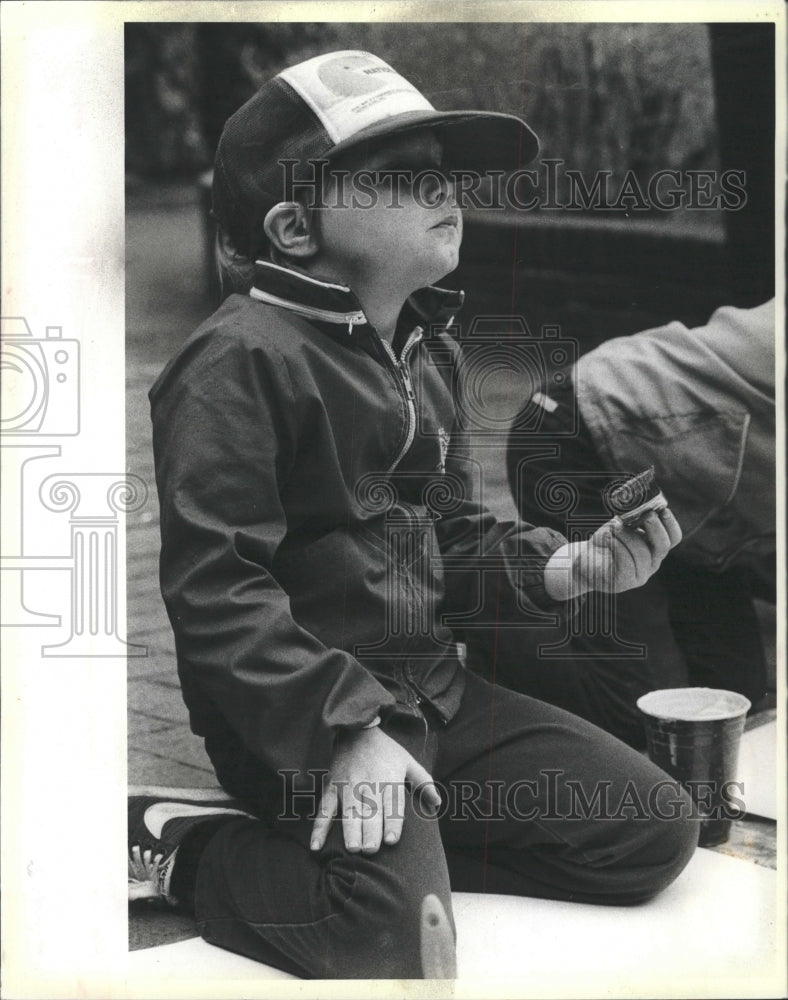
{"type": "Point", "coordinates": [428, 185]}
{"type": "Point", "coordinates": [414, 166]}
{"type": "Point", "coordinates": [407, 174]}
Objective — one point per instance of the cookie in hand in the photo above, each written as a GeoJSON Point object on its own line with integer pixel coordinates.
{"type": "Point", "coordinates": [633, 499]}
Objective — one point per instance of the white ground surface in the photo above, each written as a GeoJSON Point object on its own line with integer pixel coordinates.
{"type": "Point", "coordinates": [712, 933]}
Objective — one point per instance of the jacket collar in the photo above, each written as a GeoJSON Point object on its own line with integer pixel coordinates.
{"type": "Point", "coordinates": [336, 304]}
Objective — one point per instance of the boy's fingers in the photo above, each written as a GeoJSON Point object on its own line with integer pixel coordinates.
{"type": "Point", "coordinates": [351, 822]}
{"type": "Point", "coordinates": [636, 547]}
{"type": "Point", "coordinates": [431, 796]}
{"type": "Point", "coordinates": [393, 811]}
{"type": "Point", "coordinates": [671, 525]}
{"type": "Point", "coordinates": [658, 538]}
{"type": "Point", "coordinates": [372, 822]}
{"type": "Point", "coordinates": [421, 780]}
{"type": "Point", "coordinates": [616, 541]}
{"type": "Point", "coordinates": [327, 810]}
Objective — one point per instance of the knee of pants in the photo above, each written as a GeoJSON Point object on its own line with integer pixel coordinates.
{"type": "Point", "coordinates": [672, 842]}
{"type": "Point", "coordinates": [326, 916]}
{"type": "Point", "coordinates": [381, 933]}
{"type": "Point", "coordinates": [380, 898]}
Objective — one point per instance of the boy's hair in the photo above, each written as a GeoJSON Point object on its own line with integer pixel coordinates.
{"type": "Point", "coordinates": [235, 270]}
{"type": "Point", "coordinates": [316, 110]}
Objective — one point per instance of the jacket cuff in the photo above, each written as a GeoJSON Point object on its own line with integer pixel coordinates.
{"type": "Point", "coordinates": [363, 708]}
{"type": "Point", "coordinates": [532, 583]}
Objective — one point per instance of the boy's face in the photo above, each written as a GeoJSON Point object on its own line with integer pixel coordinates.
{"type": "Point", "coordinates": [406, 226]}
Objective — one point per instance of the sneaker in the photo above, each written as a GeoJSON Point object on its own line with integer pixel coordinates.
{"type": "Point", "coordinates": [438, 951]}
{"type": "Point", "coordinates": [156, 830]}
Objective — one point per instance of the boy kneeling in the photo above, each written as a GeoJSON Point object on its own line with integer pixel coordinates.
{"type": "Point", "coordinates": [319, 521]}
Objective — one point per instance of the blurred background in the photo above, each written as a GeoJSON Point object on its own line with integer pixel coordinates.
{"type": "Point", "coordinates": [615, 97]}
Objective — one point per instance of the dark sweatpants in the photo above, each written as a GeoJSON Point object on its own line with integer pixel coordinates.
{"type": "Point", "coordinates": [537, 802]}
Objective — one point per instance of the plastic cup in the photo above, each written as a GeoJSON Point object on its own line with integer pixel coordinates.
{"type": "Point", "coordinates": [694, 735]}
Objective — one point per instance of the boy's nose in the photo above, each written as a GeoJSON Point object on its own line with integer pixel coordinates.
{"type": "Point", "coordinates": [438, 190]}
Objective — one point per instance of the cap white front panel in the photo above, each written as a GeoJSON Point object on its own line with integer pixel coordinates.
{"type": "Point", "coordinates": [350, 90]}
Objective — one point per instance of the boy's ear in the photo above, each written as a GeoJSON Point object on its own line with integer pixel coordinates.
{"type": "Point", "coordinates": [289, 227]}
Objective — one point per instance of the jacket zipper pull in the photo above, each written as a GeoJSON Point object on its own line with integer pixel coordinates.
{"type": "Point", "coordinates": [407, 380]}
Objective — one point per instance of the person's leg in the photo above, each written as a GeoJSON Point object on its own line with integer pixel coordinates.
{"type": "Point", "coordinates": [263, 893]}
{"type": "Point", "coordinates": [542, 803]}
{"type": "Point", "coordinates": [590, 674]}
{"type": "Point", "coordinates": [713, 616]}
{"type": "Point", "coordinates": [256, 888]}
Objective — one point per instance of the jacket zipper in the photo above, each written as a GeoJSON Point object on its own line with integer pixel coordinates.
{"type": "Point", "coordinates": [405, 383]}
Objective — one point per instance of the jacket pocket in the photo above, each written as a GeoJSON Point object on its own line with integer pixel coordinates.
{"type": "Point", "coordinates": [697, 458]}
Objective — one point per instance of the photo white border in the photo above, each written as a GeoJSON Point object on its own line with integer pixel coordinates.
{"type": "Point", "coordinates": [64, 721]}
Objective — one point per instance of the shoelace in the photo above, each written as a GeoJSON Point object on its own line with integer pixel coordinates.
{"type": "Point", "coordinates": [149, 876]}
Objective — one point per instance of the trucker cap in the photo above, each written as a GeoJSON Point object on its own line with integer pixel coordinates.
{"type": "Point", "coordinates": [319, 108]}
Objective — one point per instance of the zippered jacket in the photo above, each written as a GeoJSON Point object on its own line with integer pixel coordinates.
{"type": "Point", "coordinates": [319, 521]}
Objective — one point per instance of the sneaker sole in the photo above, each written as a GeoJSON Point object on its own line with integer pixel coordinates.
{"type": "Point", "coordinates": [191, 794]}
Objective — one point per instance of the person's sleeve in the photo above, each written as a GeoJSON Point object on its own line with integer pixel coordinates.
{"type": "Point", "coordinates": [496, 567]}
{"type": "Point", "coordinates": [226, 430]}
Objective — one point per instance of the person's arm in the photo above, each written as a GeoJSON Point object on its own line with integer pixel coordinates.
{"type": "Point", "coordinates": [226, 426]}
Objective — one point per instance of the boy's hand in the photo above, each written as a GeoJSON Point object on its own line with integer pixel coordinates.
{"type": "Point", "coordinates": [367, 783]}
{"type": "Point", "coordinates": [614, 559]}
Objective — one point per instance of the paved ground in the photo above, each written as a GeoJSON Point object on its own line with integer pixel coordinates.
{"type": "Point", "coordinates": [165, 301]}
